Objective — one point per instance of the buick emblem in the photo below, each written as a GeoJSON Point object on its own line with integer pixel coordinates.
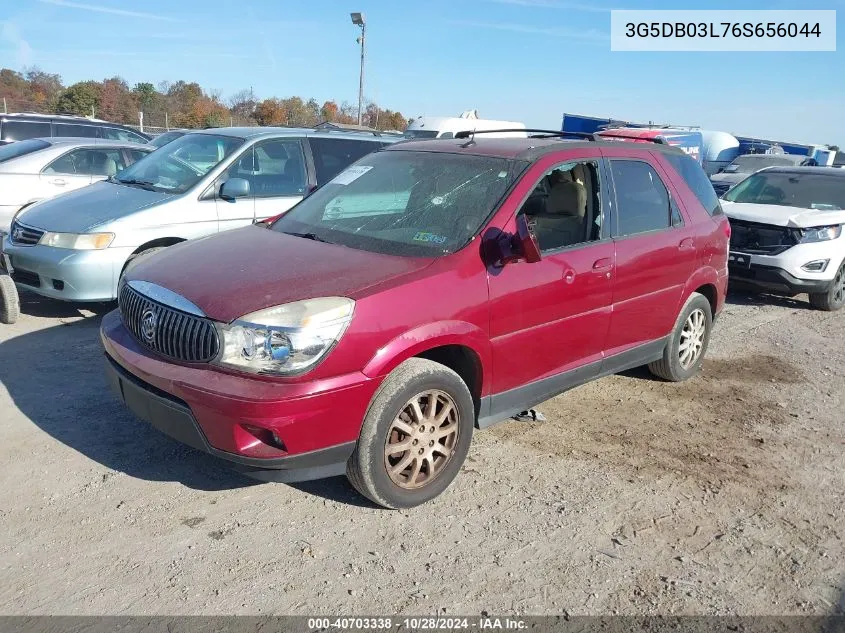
{"type": "Point", "coordinates": [17, 234]}
{"type": "Point", "coordinates": [149, 321]}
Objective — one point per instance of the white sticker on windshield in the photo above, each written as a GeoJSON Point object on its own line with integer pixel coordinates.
{"type": "Point", "coordinates": [351, 174]}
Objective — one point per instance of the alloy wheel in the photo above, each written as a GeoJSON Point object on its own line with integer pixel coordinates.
{"type": "Point", "coordinates": [839, 285]}
{"type": "Point", "coordinates": [692, 338]}
{"type": "Point", "coordinates": [421, 439]}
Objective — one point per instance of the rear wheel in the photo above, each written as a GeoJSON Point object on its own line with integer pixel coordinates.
{"type": "Point", "coordinates": [685, 350]}
{"type": "Point", "coordinates": [10, 305]}
{"type": "Point", "coordinates": [834, 298]}
{"type": "Point", "coordinates": [415, 436]}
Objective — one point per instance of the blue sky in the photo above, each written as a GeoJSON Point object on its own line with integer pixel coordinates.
{"type": "Point", "coordinates": [527, 60]}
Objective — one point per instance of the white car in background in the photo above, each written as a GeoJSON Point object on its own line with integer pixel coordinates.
{"type": "Point", "coordinates": [40, 168]}
{"type": "Point", "coordinates": [787, 233]}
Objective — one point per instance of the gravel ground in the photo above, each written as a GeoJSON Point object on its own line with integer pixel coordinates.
{"type": "Point", "coordinates": [721, 495]}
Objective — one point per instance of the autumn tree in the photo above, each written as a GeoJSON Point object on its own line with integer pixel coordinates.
{"type": "Point", "coordinates": [82, 98]}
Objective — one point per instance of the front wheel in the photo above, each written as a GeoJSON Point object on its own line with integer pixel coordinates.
{"type": "Point", "coordinates": [834, 298]}
{"type": "Point", "coordinates": [10, 304]}
{"type": "Point", "coordinates": [415, 436]}
{"type": "Point", "coordinates": [687, 345]}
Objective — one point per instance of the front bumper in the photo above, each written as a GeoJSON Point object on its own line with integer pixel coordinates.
{"type": "Point", "coordinates": [231, 415]}
{"type": "Point", "coordinates": [775, 280]}
{"type": "Point", "coordinates": [60, 273]}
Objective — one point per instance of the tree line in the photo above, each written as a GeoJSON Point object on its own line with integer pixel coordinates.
{"type": "Point", "coordinates": [176, 104]}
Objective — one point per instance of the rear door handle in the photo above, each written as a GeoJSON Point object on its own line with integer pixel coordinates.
{"type": "Point", "coordinates": [687, 244]}
{"type": "Point", "coordinates": [58, 182]}
{"type": "Point", "coordinates": [603, 265]}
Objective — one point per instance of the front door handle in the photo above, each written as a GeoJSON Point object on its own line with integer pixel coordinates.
{"type": "Point", "coordinates": [58, 182]}
{"type": "Point", "coordinates": [605, 263]}
{"type": "Point", "coordinates": [687, 244]}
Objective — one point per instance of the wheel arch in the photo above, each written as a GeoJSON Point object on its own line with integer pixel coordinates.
{"type": "Point", "coordinates": [708, 282]}
{"type": "Point", "coordinates": [460, 346]}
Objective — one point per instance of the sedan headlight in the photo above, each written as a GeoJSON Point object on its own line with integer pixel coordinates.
{"type": "Point", "coordinates": [285, 340]}
{"type": "Point", "coordinates": [77, 241]}
{"type": "Point", "coordinates": [820, 233]}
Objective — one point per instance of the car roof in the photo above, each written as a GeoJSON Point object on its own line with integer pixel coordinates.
{"type": "Point", "coordinates": [529, 149]}
{"type": "Point", "coordinates": [824, 171]}
{"type": "Point", "coordinates": [58, 117]}
{"type": "Point", "coordinates": [83, 140]}
{"type": "Point", "coordinates": [252, 133]}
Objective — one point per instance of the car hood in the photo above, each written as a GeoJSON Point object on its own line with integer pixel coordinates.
{"type": "Point", "coordinates": [778, 215]}
{"type": "Point", "coordinates": [231, 274]}
{"type": "Point", "coordinates": [729, 178]}
{"type": "Point", "coordinates": [84, 209]}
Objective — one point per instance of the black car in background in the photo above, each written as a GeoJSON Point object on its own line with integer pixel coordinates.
{"type": "Point", "coordinates": [23, 126]}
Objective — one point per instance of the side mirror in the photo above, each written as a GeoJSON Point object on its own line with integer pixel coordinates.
{"type": "Point", "coordinates": [234, 188]}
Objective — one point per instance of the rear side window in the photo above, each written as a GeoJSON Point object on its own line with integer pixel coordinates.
{"type": "Point", "coordinates": [333, 155]}
{"type": "Point", "coordinates": [118, 134]}
{"type": "Point", "coordinates": [641, 198]}
{"type": "Point", "coordinates": [71, 129]}
{"type": "Point", "coordinates": [21, 148]}
{"type": "Point", "coordinates": [696, 180]}
{"type": "Point", "coordinates": [22, 130]}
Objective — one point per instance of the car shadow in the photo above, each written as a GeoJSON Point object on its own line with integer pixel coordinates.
{"type": "Point", "coordinates": [35, 305]}
{"type": "Point", "coordinates": [746, 298]}
{"type": "Point", "coordinates": [55, 377]}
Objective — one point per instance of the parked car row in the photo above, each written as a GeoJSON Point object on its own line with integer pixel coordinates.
{"type": "Point", "coordinates": [374, 302]}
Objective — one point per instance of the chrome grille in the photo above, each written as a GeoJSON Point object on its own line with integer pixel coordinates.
{"type": "Point", "coordinates": [24, 235]}
{"type": "Point", "coordinates": [175, 334]}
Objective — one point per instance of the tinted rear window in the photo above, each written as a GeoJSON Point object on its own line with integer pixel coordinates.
{"type": "Point", "coordinates": [74, 130]}
{"type": "Point", "coordinates": [696, 180]}
{"type": "Point", "coordinates": [333, 155]}
{"type": "Point", "coordinates": [22, 130]}
{"type": "Point", "coordinates": [21, 148]}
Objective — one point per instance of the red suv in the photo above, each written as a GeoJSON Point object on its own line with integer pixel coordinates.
{"type": "Point", "coordinates": [432, 287]}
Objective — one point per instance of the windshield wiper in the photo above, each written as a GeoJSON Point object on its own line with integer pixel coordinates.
{"type": "Point", "coordinates": [143, 184]}
{"type": "Point", "coordinates": [307, 236]}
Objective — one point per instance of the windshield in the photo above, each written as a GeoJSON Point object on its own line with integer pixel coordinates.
{"type": "Point", "coordinates": [806, 191]}
{"type": "Point", "coordinates": [163, 139]}
{"type": "Point", "coordinates": [180, 164]}
{"type": "Point", "coordinates": [21, 148]}
{"type": "Point", "coordinates": [750, 164]}
{"type": "Point", "coordinates": [420, 133]}
{"type": "Point", "coordinates": [404, 203]}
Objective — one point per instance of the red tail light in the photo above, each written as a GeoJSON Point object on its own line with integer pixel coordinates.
{"type": "Point", "coordinates": [727, 226]}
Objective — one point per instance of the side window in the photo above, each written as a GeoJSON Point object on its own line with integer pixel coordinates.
{"type": "Point", "coordinates": [22, 130]}
{"type": "Point", "coordinates": [565, 206]}
{"type": "Point", "coordinates": [697, 181]}
{"type": "Point", "coordinates": [101, 162]}
{"type": "Point", "coordinates": [641, 197]}
{"type": "Point", "coordinates": [70, 129]}
{"type": "Point", "coordinates": [272, 168]}
{"type": "Point", "coordinates": [333, 155]}
{"type": "Point", "coordinates": [87, 162]}
{"type": "Point", "coordinates": [62, 165]}
{"type": "Point", "coordinates": [446, 135]}
{"type": "Point", "coordinates": [118, 134]}
{"type": "Point", "coordinates": [135, 155]}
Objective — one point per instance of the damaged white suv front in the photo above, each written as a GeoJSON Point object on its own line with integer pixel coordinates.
{"type": "Point", "coordinates": [787, 233]}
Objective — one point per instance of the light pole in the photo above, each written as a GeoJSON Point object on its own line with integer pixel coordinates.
{"type": "Point", "coordinates": [358, 19]}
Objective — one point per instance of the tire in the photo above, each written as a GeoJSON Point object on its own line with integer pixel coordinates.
{"type": "Point", "coordinates": [134, 258]}
{"type": "Point", "coordinates": [413, 381]}
{"type": "Point", "coordinates": [10, 305]}
{"type": "Point", "coordinates": [834, 298]}
{"type": "Point", "coordinates": [695, 321]}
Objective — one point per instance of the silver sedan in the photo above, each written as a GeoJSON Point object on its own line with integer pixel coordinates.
{"type": "Point", "coordinates": [40, 168]}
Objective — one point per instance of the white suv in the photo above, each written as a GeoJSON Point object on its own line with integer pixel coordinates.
{"type": "Point", "coordinates": [787, 235]}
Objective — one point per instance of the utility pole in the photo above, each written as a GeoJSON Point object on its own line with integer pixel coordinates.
{"type": "Point", "coordinates": [358, 19]}
{"type": "Point", "coordinates": [5, 111]}
{"type": "Point", "coordinates": [166, 124]}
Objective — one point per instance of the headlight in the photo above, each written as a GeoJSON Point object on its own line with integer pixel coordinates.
{"type": "Point", "coordinates": [77, 241]}
{"type": "Point", "coordinates": [287, 339]}
{"type": "Point", "coordinates": [820, 233]}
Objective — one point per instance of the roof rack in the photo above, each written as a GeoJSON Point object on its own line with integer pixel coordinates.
{"type": "Point", "coordinates": [533, 133]}
{"type": "Point", "coordinates": [659, 140]}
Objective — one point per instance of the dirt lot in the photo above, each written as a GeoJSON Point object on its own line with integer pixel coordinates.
{"type": "Point", "coordinates": [722, 495]}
